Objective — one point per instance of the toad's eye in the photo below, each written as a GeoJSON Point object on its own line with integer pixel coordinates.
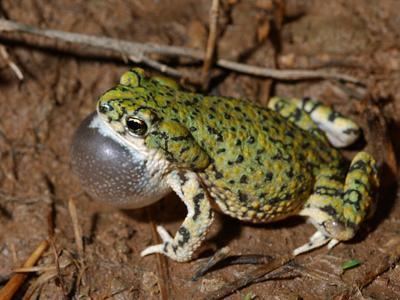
{"type": "Point", "coordinates": [136, 126]}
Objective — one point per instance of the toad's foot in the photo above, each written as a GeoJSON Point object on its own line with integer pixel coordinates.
{"type": "Point", "coordinates": [165, 237]}
{"type": "Point", "coordinates": [318, 239]}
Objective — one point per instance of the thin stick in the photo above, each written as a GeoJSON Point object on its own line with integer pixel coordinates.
{"type": "Point", "coordinates": [78, 240]}
{"type": "Point", "coordinates": [12, 286]}
{"type": "Point", "coordinates": [285, 74]}
{"type": "Point", "coordinates": [76, 227]}
{"type": "Point", "coordinates": [156, 65]}
{"type": "Point", "coordinates": [211, 43]}
{"type": "Point", "coordinates": [120, 46]}
{"type": "Point", "coordinates": [128, 48]}
{"type": "Point", "coordinates": [251, 277]}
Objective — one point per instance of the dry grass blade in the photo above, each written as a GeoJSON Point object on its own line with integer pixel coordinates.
{"type": "Point", "coordinates": [17, 71]}
{"type": "Point", "coordinates": [12, 286]}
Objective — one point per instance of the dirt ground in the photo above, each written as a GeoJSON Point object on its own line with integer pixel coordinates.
{"type": "Point", "coordinates": [61, 83]}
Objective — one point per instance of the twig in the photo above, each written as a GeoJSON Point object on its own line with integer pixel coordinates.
{"type": "Point", "coordinates": [120, 46]}
{"type": "Point", "coordinates": [12, 286]}
{"type": "Point", "coordinates": [58, 267]}
{"type": "Point", "coordinates": [221, 259]}
{"type": "Point", "coordinates": [211, 43]}
{"type": "Point", "coordinates": [76, 227]}
{"type": "Point", "coordinates": [156, 65]}
{"type": "Point", "coordinates": [285, 74]}
{"type": "Point", "coordinates": [79, 242]}
{"type": "Point", "coordinates": [251, 277]}
{"type": "Point", "coordinates": [135, 49]}
{"type": "Point", "coordinates": [215, 259]}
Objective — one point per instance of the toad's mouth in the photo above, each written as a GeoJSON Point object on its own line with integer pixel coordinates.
{"type": "Point", "coordinates": [111, 171]}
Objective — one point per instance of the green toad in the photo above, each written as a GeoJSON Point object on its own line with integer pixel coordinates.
{"type": "Point", "coordinates": [256, 164]}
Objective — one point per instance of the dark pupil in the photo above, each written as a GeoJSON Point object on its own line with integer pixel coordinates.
{"type": "Point", "coordinates": [136, 126]}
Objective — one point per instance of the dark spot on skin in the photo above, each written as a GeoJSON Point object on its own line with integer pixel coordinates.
{"type": "Point", "coordinates": [327, 191]}
{"type": "Point", "coordinates": [289, 133]}
{"type": "Point", "coordinates": [282, 155]}
{"type": "Point", "coordinates": [211, 116]}
{"type": "Point", "coordinates": [277, 120]}
{"type": "Point", "coordinates": [251, 140]}
{"type": "Point", "coordinates": [259, 151]}
{"type": "Point", "coordinates": [243, 179]}
{"type": "Point", "coordinates": [269, 176]}
{"type": "Point", "coordinates": [329, 210]}
{"type": "Point", "coordinates": [212, 130]}
{"type": "Point", "coordinates": [351, 131]}
{"type": "Point", "coordinates": [227, 116]}
{"type": "Point", "coordinates": [231, 181]}
{"type": "Point", "coordinates": [359, 165]}
{"type": "Point", "coordinates": [192, 129]}
{"type": "Point", "coordinates": [196, 200]}
{"type": "Point", "coordinates": [313, 108]}
{"type": "Point", "coordinates": [300, 178]}
{"type": "Point", "coordinates": [183, 150]}
{"type": "Point", "coordinates": [297, 115]}
{"type": "Point", "coordinates": [174, 248]}
{"type": "Point", "coordinates": [238, 142]}
{"type": "Point", "coordinates": [290, 173]}
{"type": "Point", "coordinates": [230, 162]}
{"type": "Point", "coordinates": [179, 138]}
{"type": "Point", "coordinates": [239, 159]}
{"type": "Point", "coordinates": [233, 129]}
{"type": "Point", "coordinates": [348, 195]}
{"type": "Point", "coordinates": [185, 236]}
{"type": "Point", "coordinates": [237, 108]}
{"type": "Point", "coordinates": [182, 178]}
{"type": "Point", "coordinates": [222, 150]}
{"type": "Point", "coordinates": [333, 115]}
{"type": "Point", "coordinates": [165, 247]}
{"type": "Point", "coordinates": [218, 175]}
{"type": "Point", "coordinates": [242, 197]}
{"type": "Point", "coordinates": [275, 200]}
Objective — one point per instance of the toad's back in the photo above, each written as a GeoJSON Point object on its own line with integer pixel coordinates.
{"type": "Point", "coordinates": [263, 166]}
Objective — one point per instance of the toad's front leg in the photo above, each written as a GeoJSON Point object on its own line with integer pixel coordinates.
{"type": "Point", "coordinates": [193, 230]}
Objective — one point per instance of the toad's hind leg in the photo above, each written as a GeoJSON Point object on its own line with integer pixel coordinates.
{"type": "Point", "coordinates": [317, 118]}
{"type": "Point", "coordinates": [336, 210]}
